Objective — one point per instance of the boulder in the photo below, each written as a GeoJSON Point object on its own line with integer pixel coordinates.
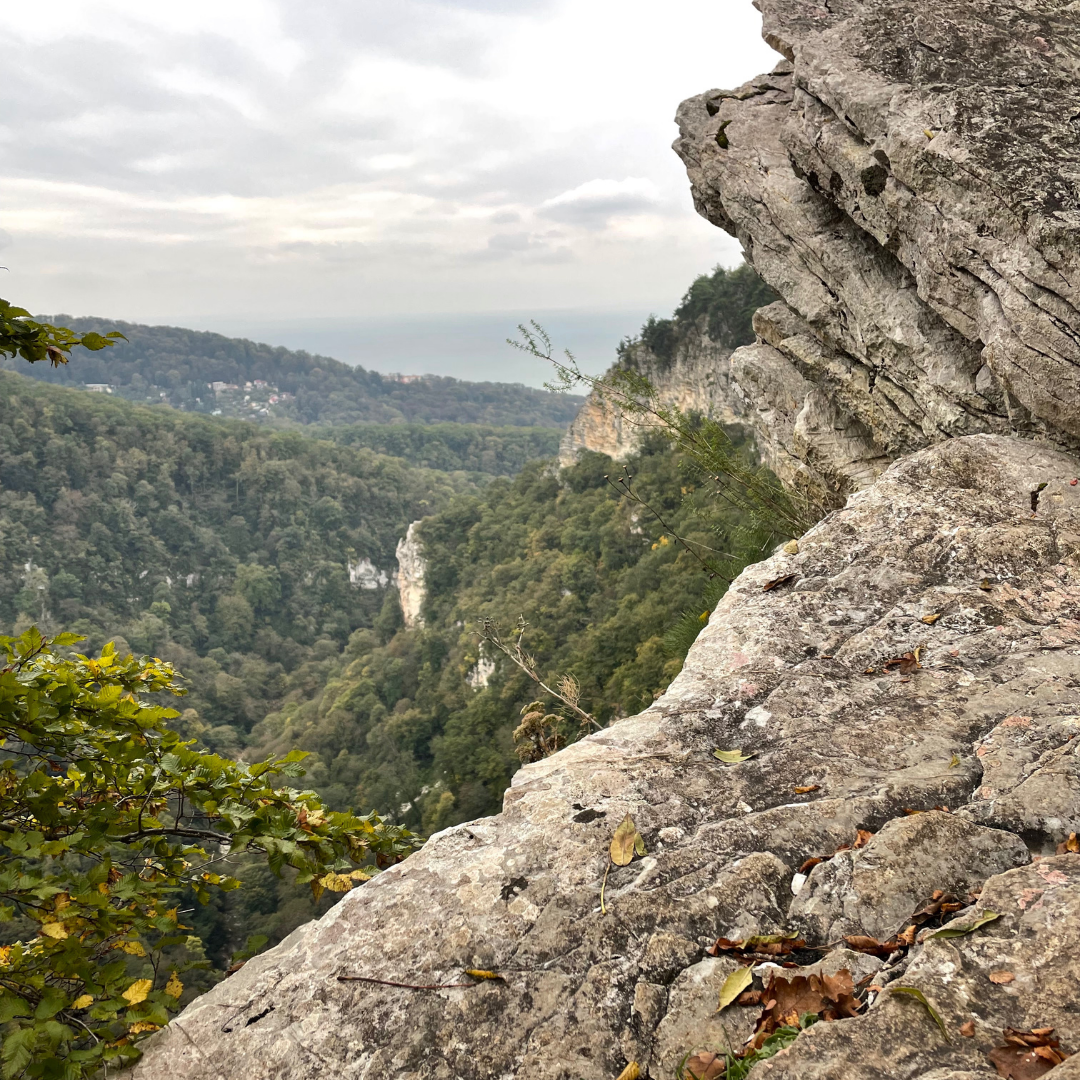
{"type": "Point", "coordinates": [931, 558]}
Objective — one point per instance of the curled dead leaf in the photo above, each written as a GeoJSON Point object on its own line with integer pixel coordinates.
{"type": "Point", "coordinates": [967, 1029]}
{"type": "Point", "coordinates": [732, 757]}
{"type": "Point", "coordinates": [1072, 845]}
{"type": "Point", "coordinates": [810, 864]}
{"type": "Point", "coordinates": [1027, 1055]}
{"type": "Point", "coordinates": [777, 582]}
{"type": "Point", "coordinates": [1002, 978]}
{"type": "Point", "coordinates": [480, 973]}
{"type": "Point", "coordinates": [931, 619]}
{"type": "Point", "coordinates": [806, 790]}
{"type": "Point", "coordinates": [631, 1072]}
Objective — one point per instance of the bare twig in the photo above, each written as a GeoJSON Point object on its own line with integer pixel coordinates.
{"type": "Point", "coordinates": [404, 986]}
{"type": "Point", "coordinates": [489, 632]}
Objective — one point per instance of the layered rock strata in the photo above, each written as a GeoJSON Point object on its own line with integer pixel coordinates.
{"type": "Point", "coordinates": [908, 181]}
{"type": "Point", "coordinates": [697, 379]}
{"type": "Point", "coordinates": [944, 554]}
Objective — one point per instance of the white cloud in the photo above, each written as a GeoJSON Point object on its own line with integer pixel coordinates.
{"type": "Point", "coordinates": [193, 157]}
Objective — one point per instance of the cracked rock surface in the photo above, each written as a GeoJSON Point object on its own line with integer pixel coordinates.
{"type": "Point", "coordinates": [942, 554]}
{"type": "Point", "coordinates": [908, 180]}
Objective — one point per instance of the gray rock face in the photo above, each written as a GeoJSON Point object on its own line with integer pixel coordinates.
{"type": "Point", "coordinates": [796, 675]}
{"type": "Point", "coordinates": [696, 380]}
{"type": "Point", "coordinates": [908, 180]}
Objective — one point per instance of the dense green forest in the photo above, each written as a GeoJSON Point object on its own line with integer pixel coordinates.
{"type": "Point", "coordinates": [475, 448]}
{"type": "Point", "coordinates": [242, 554]}
{"type": "Point", "coordinates": [173, 366]}
{"type": "Point", "coordinates": [219, 545]}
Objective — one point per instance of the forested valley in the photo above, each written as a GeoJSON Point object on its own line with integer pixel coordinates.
{"type": "Point", "coordinates": [260, 563]}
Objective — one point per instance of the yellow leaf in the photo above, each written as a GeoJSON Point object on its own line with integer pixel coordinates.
{"type": "Point", "coordinates": [103, 888]}
{"type": "Point", "coordinates": [954, 761]}
{"type": "Point", "coordinates": [631, 1072]}
{"type": "Point", "coordinates": [731, 757]}
{"type": "Point", "coordinates": [174, 987]}
{"type": "Point", "coordinates": [55, 930]}
{"type": "Point", "coordinates": [336, 882]}
{"type": "Point", "coordinates": [142, 1025]}
{"type": "Point", "coordinates": [83, 1001]}
{"type": "Point", "coordinates": [931, 619]}
{"type": "Point", "coordinates": [5, 955]}
{"type": "Point", "coordinates": [792, 547]}
{"type": "Point", "coordinates": [625, 840]}
{"type": "Point", "coordinates": [734, 985]}
{"type": "Point", "coordinates": [137, 991]}
{"type": "Point", "coordinates": [361, 875]}
{"type": "Point", "coordinates": [479, 973]}
{"type": "Point", "coordinates": [132, 948]}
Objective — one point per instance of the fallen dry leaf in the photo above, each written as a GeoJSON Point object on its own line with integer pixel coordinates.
{"type": "Point", "coordinates": [705, 1066]}
{"type": "Point", "coordinates": [732, 757]}
{"type": "Point", "coordinates": [930, 619]}
{"type": "Point", "coordinates": [830, 997]}
{"type": "Point", "coordinates": [871, 946]}
{"type": "Point", "coordinates": [1002, 978]}
{"type": "Point", "coordinates": [631, 1072]}
{"type": "Point", "coordinates": [479, 973]}
{"type": "Point", "coordinates": [734, 985]}
{"type": "Point", "coordinates": [777, 582]}
{"type": "Point", "coordinates": [810, 864]}
{"type": "Point", "coordinates": [862, 838]}
{"type": "Point", "coordinates": [792, 547]}
{"type": "Point", "coordinates": [817, 787]}
{"type": "Point", "coordinates": [967, 1029]}
{"type": "Point", "coordinates": [1072, 845]}
{"type": "Point", "coordinates": [626, 841]}
{"type": "Point", "coordinates": [1027, 1055]}
{"type": "Point", "coordinates": [908, 663]}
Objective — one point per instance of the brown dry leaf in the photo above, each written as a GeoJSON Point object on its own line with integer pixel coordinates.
{"type": "Point", "coordinates": [862, 838]}
{"type": "Point", "coordinates": [967, 1029]}
{"type": "Point", "coordinates": [814, 787]}
{"type": "Point", "coordinates": [1027, 1055]}
{"type": "Point", "coordinates": [907, 937]}
{"type": "Point", "coordinates": [869, 671]}
{"type": "Point", "coordinates": [986, 585]}
{"type": "Point", "coordinates": [810, 864]}
{"type": "Point", "coordinates": [930, 619]}
{"type": "Point", "coordinates": [631, 1072]}
{"type": "Point", "coordinates": [478, 973]}
{"type": "Point", "coordinates": [625, 841]}
{"type": "Point", "coordinates": [760, 945]}
{"type": "Point", "coordinates": [1072, 845]}
{"type": "Point", "coordinates": [786, 999]}
{"type": "Point", "coordinates": [777, 582]}
{"type": "Point", "coordinates": [872, 946]}
{"type": "Point", "coordinates": [1002, 978]}
{"type": "Point", "coordinates": [705, 1066]}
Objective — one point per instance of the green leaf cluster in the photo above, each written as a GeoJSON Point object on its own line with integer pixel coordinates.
{"type": "Point", "coordinates": [106, 817]}
{"type": "Point", "coordinates": [22, 336]}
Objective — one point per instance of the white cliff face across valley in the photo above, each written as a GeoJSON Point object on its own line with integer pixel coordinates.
{"type": "Point", "coordinates": [410, 577]}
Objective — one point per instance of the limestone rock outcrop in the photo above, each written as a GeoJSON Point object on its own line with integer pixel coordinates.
{"type": "Point", "coordinates": [697, 379]}
{"type": "Point", "coordinates": [943, 555]}
{"type": "Point", "coordinates": [908, 181]}
{"type": "Point", "coordinates": [409, 577]}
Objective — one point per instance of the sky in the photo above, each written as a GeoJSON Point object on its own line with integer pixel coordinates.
{"type": "Point", "coordinates": [384, 176]}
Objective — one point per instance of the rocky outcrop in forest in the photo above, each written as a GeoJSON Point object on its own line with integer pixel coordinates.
{"type": "Point", "coordinates": [908, 181]}
{"type": "Point", "coordinates": [409, 577]}
{"type": "Point", "coordinates": [697, 379]}
{"type": "Point", "coordinates": [877, 735]}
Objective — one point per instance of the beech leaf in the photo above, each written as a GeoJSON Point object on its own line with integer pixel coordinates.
{"type": "Point", "coordinates": [732, 757]}
{"type": "Point", "coordinates": [919, 996]}
{"type": "Point", "coordinates": [137, 991]}
{"type": "Point", "coordinates": [625, 841]}
{"type": "Point", "coordinates": [734, 985]}
{"type": "Point", "coordinates": [960, 931]}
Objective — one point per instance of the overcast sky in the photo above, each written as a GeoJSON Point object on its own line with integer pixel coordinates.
{"type": "Point", "coordinates": [201, 161]}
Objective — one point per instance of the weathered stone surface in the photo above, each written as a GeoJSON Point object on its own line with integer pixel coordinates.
{"type": "Point", "coordinates": [697, 379]}
{"type": "Point", "coordinates": [908, 180]}
{"type": "Point", "coordinates": [874, 889]}
{"type": "Point", "coordinates": [796, 675]}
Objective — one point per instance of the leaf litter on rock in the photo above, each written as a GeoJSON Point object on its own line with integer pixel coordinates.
{"type": "Point", "coordinates": [732, 757]}
{"type": "Point", "coordinates": [1027, 1055]}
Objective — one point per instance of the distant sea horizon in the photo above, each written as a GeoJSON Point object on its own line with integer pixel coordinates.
{"type": "Point", "coordinates": [469, 346]}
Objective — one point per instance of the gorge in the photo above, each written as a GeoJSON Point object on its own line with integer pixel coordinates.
{"type": "Point", "coordinates": [895, 697]}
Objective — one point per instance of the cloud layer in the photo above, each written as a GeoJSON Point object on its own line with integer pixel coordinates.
{"type": "Point", "coordinates": [353, 157]}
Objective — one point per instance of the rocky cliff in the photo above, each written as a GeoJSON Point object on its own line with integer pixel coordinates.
{"type": "Point", "coordinates": [697, 379]}
{"type": "Point", "coordinates": [409, 577]}
{"type": "Point", "coordinates": [908, 180]}
{"type": "Point", "coordinates": [895, 705]}
{"type": "Point", "coordinates": [942, 559]}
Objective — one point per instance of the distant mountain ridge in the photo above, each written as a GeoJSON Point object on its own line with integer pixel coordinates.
{"type": "Point", "coordinates": [179, 367]}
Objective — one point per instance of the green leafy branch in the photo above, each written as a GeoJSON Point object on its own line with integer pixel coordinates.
{"type": "Point", "coordinates": [105, 816]}
{"type": "Point", "coordinates": [23, 336]}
